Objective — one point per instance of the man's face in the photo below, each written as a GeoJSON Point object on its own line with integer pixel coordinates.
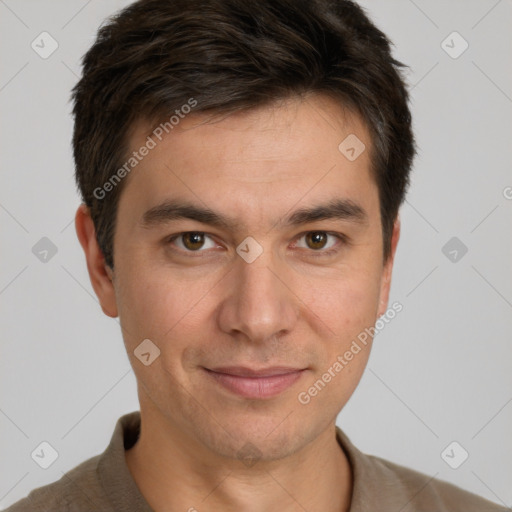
{"type": "Point", "coordinates": [241, 338]}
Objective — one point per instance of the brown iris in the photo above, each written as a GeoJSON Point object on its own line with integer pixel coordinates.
{"type": "Point", "coordinates": [316, 239]}
{"type": "Point", "coordinates": [193, 240]}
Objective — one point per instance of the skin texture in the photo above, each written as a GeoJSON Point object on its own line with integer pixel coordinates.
{"type": "Point", "coordinates": [210, 308]}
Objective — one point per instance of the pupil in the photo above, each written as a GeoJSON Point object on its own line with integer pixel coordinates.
{"type": "Point", "coordinates": [194, 240]}
{"type": "Point", "coordinates": [318, 238]}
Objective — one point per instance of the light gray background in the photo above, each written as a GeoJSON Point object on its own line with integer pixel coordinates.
{"type": "Point", "coordinates": [441, 371]}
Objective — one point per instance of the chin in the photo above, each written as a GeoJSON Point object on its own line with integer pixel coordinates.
{"type": "Point", "coordinates": [265, 441]}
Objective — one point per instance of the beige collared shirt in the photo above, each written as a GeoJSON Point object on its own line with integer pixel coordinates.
{"type": "Point", "coordinates": [104, 484]}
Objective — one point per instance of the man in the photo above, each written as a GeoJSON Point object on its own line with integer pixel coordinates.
{"type": "Point", "coordinates": [242, 165]}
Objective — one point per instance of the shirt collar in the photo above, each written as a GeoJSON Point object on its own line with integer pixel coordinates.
{"type": "Point", "coordinates": [118, 483]}
{"type": "Point", "coordinates": [113, 472]}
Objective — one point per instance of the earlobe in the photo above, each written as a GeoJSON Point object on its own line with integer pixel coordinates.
{"type": "Point", "coordinates": [100, 274]}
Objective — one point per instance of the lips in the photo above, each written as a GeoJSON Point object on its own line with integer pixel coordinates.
{"type": "Point", "coordinates": [255, 383]}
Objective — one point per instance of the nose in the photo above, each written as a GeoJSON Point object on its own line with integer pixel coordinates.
{"type": "Point", "coordinates": [259, 305]}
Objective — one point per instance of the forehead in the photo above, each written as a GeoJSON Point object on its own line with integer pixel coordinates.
{"type": "Point", "coordinates": [288, 129]}
{"type": "Point", "coordinates": [256, 160]}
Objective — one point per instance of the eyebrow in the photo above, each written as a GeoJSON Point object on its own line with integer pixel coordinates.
{"type": "Point", "coordinates": [169, 210]}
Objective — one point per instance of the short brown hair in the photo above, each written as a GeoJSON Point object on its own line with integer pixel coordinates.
{"type": "Point", "coordinates": [229, 55]}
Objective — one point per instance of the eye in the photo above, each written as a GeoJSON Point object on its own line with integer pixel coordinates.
{"type": "Point", "coordinates": [318, 241]}
{"type": "Point", "coordinates": [191, 241]}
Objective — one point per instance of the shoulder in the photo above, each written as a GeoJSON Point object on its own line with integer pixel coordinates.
{"type": "Point", "coordinates": [427, 493]}
{"type": "Point", "coordinates": [380, 484]}
{"type": "Point", "coordinates": [76, 491]}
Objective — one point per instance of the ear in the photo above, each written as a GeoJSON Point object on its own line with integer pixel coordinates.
{"type": "Point", "coordinates": [100, 274]}
{"type": "Point", "coordinates": [385, 284]}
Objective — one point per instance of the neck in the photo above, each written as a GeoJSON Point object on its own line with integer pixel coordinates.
{"type": "Point", "coordinates": [175, 473]}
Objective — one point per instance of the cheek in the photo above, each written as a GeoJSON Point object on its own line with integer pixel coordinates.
{"type": "Point", "coordinates": [349, 309]}
{"type": "Point", "coordinates": [346, 303]}
{"type": "Point", "coordinates": [160, 306]}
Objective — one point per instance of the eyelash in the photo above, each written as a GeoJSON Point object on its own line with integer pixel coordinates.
{"type": "Point", "coordinates": [316, 254]}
